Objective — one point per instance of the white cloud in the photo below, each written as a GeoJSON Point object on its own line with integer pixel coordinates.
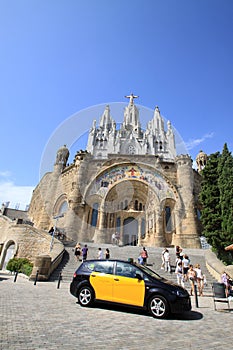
{"type": "Point", "coordinates": [5, 174]}
{"type": "Point", "coordinates": [18, 196]}
{"type": "Point", "coordinates": [195, 142]}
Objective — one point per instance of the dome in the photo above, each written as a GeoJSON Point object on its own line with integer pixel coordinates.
{"type": "Point", "coordinates": [201, 160]}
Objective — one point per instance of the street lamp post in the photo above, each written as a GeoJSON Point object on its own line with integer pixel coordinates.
{"type": "Point", "coordinates": [57, 217]}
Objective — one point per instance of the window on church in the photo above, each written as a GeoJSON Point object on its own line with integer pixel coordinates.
{"type": "Point", "coordinates": [140, 206]}
{"type": "Point", "coordinates": [94, 215]}
{"type": "Point", "coordinates": [136, 205]}
{"type": "Point", "coordinates": [63, 208]}
{"type": "Point", "coordinates": [143, 228]}
{"type": "Point", "coordinates": [168, 219]}
{"type": "Point", "coordinates": [118, 223]}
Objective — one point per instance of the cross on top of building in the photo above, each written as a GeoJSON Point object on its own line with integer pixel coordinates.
{"type": "Point", "coordinates": [131, 98]}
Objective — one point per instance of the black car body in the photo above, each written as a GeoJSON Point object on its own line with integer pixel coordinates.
{"type": "Point", "coordinates": [128, 283]}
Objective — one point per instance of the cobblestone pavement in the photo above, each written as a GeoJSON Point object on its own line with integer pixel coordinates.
{"type": "Point", "coordinates": [42, 316]}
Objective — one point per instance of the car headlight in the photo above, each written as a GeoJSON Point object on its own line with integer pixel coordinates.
{"type": "Point", "coordinates": [178, 293]}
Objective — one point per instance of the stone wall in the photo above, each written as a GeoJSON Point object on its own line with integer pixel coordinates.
{"type": "Point", "coordinates": [28, 241]}
{"type": "Point", "coordinates": [216, 267]}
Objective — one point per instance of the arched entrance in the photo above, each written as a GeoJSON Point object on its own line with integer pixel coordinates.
{"type": "Point", "coordinates": [8, 255]}
{"type": "Point", "coordinates": [130, 231]}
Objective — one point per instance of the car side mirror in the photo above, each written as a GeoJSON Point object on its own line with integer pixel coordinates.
{"type": "Point", "coordinates": [138, 276]}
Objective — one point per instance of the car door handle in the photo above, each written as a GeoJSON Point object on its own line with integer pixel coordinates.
{"type": "Point", "coordinates": [116, 279]}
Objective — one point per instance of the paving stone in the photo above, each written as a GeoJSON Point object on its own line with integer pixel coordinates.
{"type": "Point", "coordinates": [43, 317]}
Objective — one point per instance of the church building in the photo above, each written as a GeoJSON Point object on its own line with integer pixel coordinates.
{"type": "Point", "coordinates": [129, 181]}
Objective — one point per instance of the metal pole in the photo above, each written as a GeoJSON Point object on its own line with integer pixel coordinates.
{"type": "Point", "coordinates": [195, 294]}
{"type": "Point", "coordinates": [59, 280]}
{"type": "Point", "coordinates": [16, 274]}
{"type": "Point", "coordinates": [37, 273]}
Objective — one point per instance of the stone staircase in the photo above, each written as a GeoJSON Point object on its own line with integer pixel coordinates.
{"type": "Point", "coordinates": [69, 264]}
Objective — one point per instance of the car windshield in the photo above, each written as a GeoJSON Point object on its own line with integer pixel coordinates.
{"type": "Point", "coordinates": [149, 271]}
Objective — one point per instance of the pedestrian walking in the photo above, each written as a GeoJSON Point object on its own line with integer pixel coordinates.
{"type": "Point", "coordinates": [186, 262]}
{"type": "Point", "coordinates": [107, 254]}
{"type": "Point", "coordinates": [84, 252]}
{"type": "Point", "coordinates": [162, 257]}
{"type": "Point", "coordinates": [192, 276]}
{"type": "Point", "coordinates": [144, 255]}
{"type": "Point", "coordinates": [179, 274]}
{"type": "Point", "coordinates": [78, 251]}
{"type": "Point", "coordinates": [100, 254]}
{"type": "Point", "coordinates": [167, 266]}
{"type": "Point", "coordinates": [200, 279]}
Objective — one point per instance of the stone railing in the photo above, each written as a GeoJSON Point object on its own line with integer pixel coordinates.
{"type": "Point", "coordinates": [216, 267]}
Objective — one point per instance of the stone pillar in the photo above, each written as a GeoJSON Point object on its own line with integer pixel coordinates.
{"type": "Point", "coordinates": [188, 236]}
{"type": "Point", "coordinates": [101, 234]}
{"type": "Point", "coordinates": [159, 239]}
{"type": "Point", "coordinates": [139, 231]}
{"type": "Point", "coordinates": [42, 266]}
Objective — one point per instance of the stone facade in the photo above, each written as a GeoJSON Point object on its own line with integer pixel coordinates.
{"type": "Point", "coordinates": [128, 181]}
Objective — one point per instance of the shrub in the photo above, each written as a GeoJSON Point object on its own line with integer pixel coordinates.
{"type": "Point", "coordinates": [22, 265]}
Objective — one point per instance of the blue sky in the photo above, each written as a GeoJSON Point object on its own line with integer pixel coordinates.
{"type": "Point", "coordinates": [59, 57]}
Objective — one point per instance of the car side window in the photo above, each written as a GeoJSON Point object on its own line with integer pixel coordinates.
{"type": "Point", "coordinates": [104, 267]}
{"type": "Point", "coordinates": [126, 270]}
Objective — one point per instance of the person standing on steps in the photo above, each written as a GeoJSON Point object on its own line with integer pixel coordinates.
{"type": "Point", "coordinates": [100, 254]}
{"type": "Point", "coordinates": [107, 254]}
{"type": "Point", "coordinates": [162, 257]}
{"type": "Point", "coordinates": [84, 252]}
{"type": "Point", "coordinates": [186, 262]}
{"type": "Point", "coordinates": [144, 256]}
{"type": "Point", "coordinates": [200, 279]}
{"type": "Point", "coordinates": [77, 251]}
{"type": "Point", "coordinates": [192, 276]}
{"type": "Point", "coordinates": [179, 274]}
{"type": "Point", "coordinates": [167, 266]}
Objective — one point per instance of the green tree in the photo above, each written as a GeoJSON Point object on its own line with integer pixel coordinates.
{"type": "Point", "coordinates": [225, 183]}
{"type": "Point", "coordinates": [209, 196]}
{"type": "Point", "coordinates": [217, 202]}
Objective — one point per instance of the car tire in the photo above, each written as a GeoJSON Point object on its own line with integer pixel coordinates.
{"type": "Point", "coordinates": [158, 306]}
{"type": "Point", "coordinates": [85, 296]}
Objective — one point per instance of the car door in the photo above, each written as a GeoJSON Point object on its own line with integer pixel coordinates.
{"type": "Point", "coordinates": [101, 280]}
{"type": "Point", "coordinates": [127, 289]}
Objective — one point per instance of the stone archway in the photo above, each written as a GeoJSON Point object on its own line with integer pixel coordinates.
{"type": "Point", "coordinates": [131, 204]}
{"type": "Point", "coordinates": [8, 254]}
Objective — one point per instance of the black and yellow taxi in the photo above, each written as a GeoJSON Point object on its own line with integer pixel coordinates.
{"type": "Point", "coordinates": [128, 283]}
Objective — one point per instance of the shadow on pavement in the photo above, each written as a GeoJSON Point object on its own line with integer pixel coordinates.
{"type": "Point", "coordinates": [3, 279]}
{"type": "Point", "coordinates": [186, 316]}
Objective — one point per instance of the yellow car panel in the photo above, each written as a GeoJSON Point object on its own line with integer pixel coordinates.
{"type": "Point", "coordinates": [129, 291]}
{"type": "Point", "coordinates": [102, 284]}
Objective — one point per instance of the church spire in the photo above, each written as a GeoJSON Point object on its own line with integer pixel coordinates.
{"type": "Point", "coordinates": [131, 115]}
{"type": "Point", "coordinates": [106, 119]}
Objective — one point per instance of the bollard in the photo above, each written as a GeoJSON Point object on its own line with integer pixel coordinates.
{"type": "Point", "coordinates": [37, 273]}
{"type": "Point", "coordinates": [59, 280]}
{"type": "Point", "coordinates": [16, 274]}
{"type": "Point", "coordinates": [195, 293]}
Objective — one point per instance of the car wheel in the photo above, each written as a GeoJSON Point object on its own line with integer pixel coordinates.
{"type": "Point", "coordinates": [85, 296]}
{"type": "Point", "coordinates": [158, 306]}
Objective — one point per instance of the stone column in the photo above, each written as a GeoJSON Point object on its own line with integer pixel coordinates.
{"type": "Point", "coordinates": [102, 230]}
{"type": "Point", "coordinates": [159, 239]}
{"type": "Point", "coordinates": [139, 231]}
